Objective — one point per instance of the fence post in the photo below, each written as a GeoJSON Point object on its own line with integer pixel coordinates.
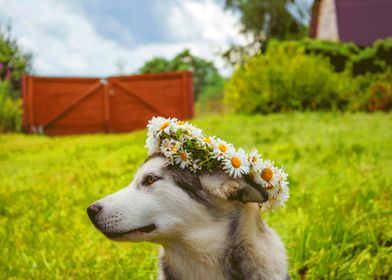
{"type": "Point", "coordinates": [106, 113]}
{"type": "Point", "coordinates": [27, 95]}
{"type": "Point", "coordinates": [25, 107]}
{"type": "Point", "coordinates": [188, 93]}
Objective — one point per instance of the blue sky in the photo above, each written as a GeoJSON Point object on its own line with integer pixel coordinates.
{"type": "Point", "coordinates": [100, 38]}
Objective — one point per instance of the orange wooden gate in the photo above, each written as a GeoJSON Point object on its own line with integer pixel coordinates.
{"type": "Point", "coordinates": [57, 106]}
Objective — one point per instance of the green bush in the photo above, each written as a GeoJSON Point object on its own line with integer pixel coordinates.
{"type": "Point", "coordinates": [380, 93]}
{"type": "Point", "coordinates": [10, 110]}
{"type": "Point", "coordinates": [374, 59]}
{"type": "Point", "coordinates": [347, 56]}
{"type": "Point", "coordinates": [14, 61]}
{"type": "Point", "coordinates": [371, 92]}
{"type": "Point", "coordinates": [285, 78]}
{"type": "Point", "coordinates": [339, 54]}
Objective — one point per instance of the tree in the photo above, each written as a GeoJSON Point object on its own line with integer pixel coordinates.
{"type": "Point", "coordinates": [269, 18]}
{"type": "Point", "coordinates": [264, 20]}
{"type": "Point", "coordinates": [205, 74]}
{"type": "Point", "coordinates": [156, 65]}
{"type": "Point", "coordinates": [14, 61]}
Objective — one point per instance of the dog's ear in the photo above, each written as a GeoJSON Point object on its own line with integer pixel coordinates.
{"type": "Point", "coordinates": [241, 189]}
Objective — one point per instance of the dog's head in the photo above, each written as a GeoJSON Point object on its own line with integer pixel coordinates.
{"type": "Point", "coordinates": [162, 201]}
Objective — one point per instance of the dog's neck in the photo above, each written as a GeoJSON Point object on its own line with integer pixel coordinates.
{"type": "Point", "coordinates": [215, 249]}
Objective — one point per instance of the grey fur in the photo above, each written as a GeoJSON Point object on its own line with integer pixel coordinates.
{"type": "Point", "coordinates": [237, 258]}
{"type": "Point", "coordinates": [167, 271]}
{"type": "Point", "coordinates": [189, 182]}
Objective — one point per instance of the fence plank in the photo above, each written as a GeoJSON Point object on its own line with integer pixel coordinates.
{"type": "Point", "coordinates": [106, 108]}
{"type": "Point", "coordinates": [141, 100]}
{"type": "Point", "coordinates": [73, 104]}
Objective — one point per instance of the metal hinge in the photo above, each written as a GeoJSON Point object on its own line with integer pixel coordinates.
{"type": "Point", "coordinates": [37, 129]}
{"type": "Point", "coordinates": [104, 81]}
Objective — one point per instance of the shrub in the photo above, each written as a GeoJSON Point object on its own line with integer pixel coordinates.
{"type": "Point", "coordinates": [371, 92]}
{"type": "Point", "coordinates": [374, 59]}
{"type": "Point", "coordinates": [339, 54]}
{"type": "Point", "coordinates": [346, 56]}
{"type": "Point", "coordinates": [380, 93]}
{"type": "Point", "coordinates": [14, 61]}
{"type": "Point", "coordinates": [210, 100]}
{"type": "Point", "coordinates": [285, 78]}
{"type": "Point", "coordinates": [10, 110]}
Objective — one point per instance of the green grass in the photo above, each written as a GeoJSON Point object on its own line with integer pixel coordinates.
{"type": "Point", "coordinates": [337, 223]}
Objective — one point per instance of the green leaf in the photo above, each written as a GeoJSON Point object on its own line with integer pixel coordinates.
{"type": "Point", "coordinates": [178, 133]}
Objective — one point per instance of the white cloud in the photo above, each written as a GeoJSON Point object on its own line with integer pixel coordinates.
{"type": "Point", "coordinates": [206, 27]}
{"type": "Point", "coordinates": [204, 21]}
{"type": "Point", "coordinates": [64, 42]}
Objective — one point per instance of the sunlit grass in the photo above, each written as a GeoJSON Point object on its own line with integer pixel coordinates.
{"type": "Point", "coordinates": [337, 224]}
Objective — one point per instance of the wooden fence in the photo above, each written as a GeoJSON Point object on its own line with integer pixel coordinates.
{"type": "Point", "coordinates": [59, 106]}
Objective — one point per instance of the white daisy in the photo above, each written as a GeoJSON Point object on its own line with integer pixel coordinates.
{"type": "Point", "coordinates": [268, 175]}
{"type": "Point", "coordinates": [283, 195]}
{"type": "Point", "coordinates": [157, 125]}
{"type": "Point", "coordinates": [277, 189]}
{"type": "Point", "coordinates": [192, 131]}
{"type": "Point", "coordinates": [152, 144]}
{"type": "Point", "coordinates": [270, 204]}
{"type": "Point", "coordinates": [194, 166]}
{"type": "Point", "coordinates": [236, 163]}
{"type": "Point", "coordinates": [221, 148]}
{"type": "Point", "coordinates": [177, 125]}
{"type": "Point", "coordinates": [206, 141]}
{"type": "Point", "coordinates": [255, 160]}
{"type": "Point", "coordinates": [183, 158]}
{"type": "Point", "coordinates": [276, 200]}
{"type": "Point", "coordinates": [169, 147]}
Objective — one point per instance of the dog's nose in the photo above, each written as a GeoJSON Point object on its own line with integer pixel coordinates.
{"type": "Point", "coordinates": [93, 211]}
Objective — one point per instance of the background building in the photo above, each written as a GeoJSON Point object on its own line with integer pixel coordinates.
{"type": "Point", "coordinates": [358, 21]}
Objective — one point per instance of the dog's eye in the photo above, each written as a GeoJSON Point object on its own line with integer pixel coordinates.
{"type": "Point", "coordinates": [150, 178]}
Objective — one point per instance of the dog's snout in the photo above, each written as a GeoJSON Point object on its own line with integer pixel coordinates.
{"type": "Point", "coordinates": [93, 211]}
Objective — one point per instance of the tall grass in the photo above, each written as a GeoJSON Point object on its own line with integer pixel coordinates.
{"type": "Point", "coordinates": [337, 223]}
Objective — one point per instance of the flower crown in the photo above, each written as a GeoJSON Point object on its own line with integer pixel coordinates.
{"type": "Point", "coordinates": [187, 146]}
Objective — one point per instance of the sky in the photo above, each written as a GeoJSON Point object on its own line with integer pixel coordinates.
{"type": "Point", "coordinates": [102, 38]}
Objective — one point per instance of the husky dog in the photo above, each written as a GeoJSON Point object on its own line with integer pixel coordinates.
{"type": "Point", "coordinates": [208, 224]}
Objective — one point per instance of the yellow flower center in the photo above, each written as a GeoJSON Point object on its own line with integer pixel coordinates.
{"type": "Point", "coordinates": [164, 125]}
{"type": "Point", "coordinates": [235, 162]}
{"type": "Point", "coordinates": [266, 174]}
{"type": "Point", "coordinates": [180, 123]}
{"type": "Point", "coordinates": [207, 140]}
{"type": "Point", "coordinates": [222, 148]}
{"type": "Point", "coordinates": [184, 156]}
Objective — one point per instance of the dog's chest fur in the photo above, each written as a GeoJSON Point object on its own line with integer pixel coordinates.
{"type": "Point", "coordinates": [244, 250]}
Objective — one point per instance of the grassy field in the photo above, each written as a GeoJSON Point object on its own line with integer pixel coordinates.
{"type": "Point", "coordinates": [337, 223]}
